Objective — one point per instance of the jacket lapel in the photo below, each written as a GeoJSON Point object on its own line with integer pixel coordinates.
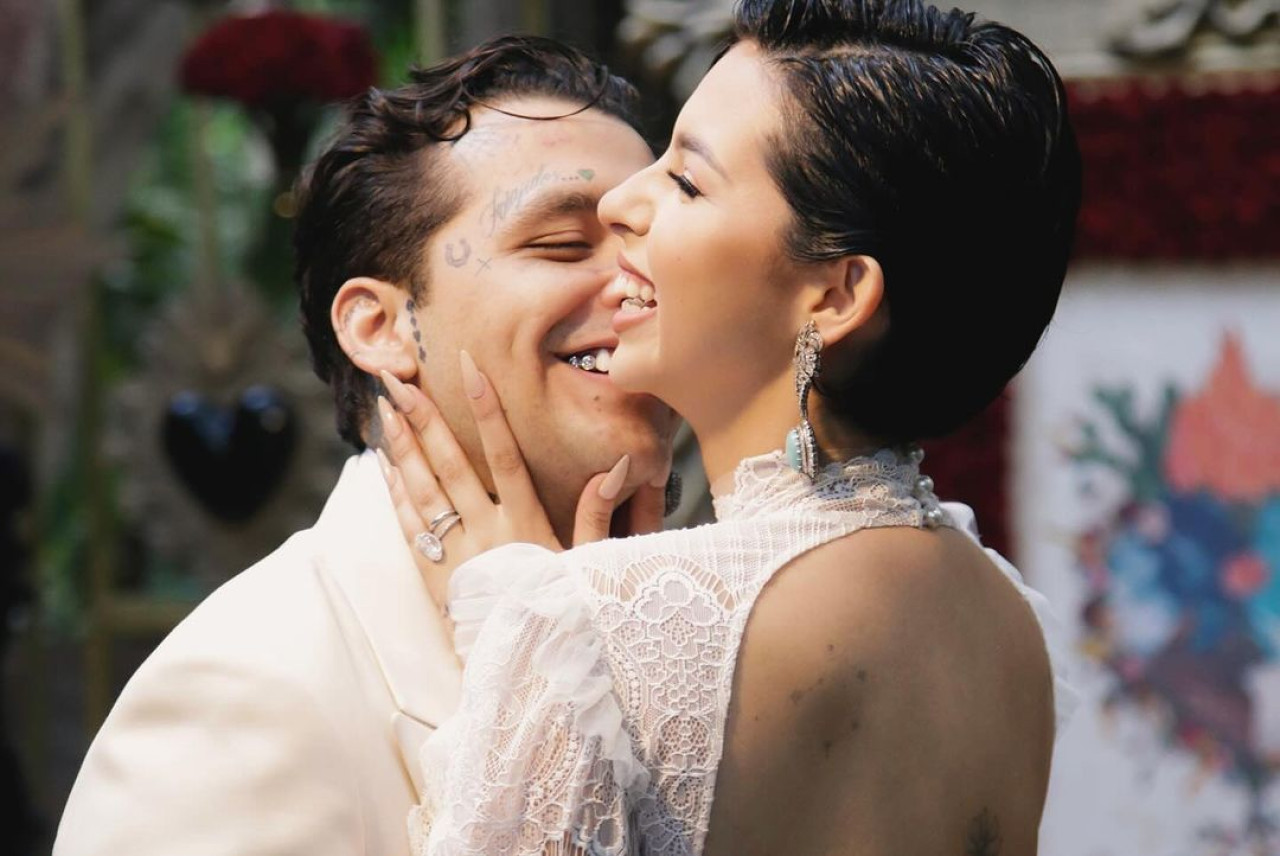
{"type": "Point", "coordinates": [364, 553]}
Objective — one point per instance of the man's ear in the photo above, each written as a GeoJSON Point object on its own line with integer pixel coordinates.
{"type": "Point", "coordinates": [372, 321]}
{"type": "Point", "coordinates": [847, 301]}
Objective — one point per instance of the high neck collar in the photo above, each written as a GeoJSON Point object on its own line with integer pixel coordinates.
{"type": "Point", "coordinates": [887, 481]}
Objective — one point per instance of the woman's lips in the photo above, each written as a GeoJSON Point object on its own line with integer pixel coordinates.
{"type": "Point", "coordinates": [629, 268]}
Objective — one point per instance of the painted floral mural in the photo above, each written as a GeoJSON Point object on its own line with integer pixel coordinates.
{"type": "Point", "coordinates": [1183, 577]}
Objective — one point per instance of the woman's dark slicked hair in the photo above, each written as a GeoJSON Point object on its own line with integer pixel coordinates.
{"type": "Point", "coordinates": [940, 146]}
{"type": "Point", "coordinates": [377, 194]}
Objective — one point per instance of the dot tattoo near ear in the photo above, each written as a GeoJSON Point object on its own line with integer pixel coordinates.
{"type": "Point", "coordinates": [410, 305]}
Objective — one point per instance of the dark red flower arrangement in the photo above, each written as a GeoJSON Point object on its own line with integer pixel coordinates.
{"type": "Point", "coordinates": [278, 57]}
{"type": "Point", "coordinates": [1179, 168]}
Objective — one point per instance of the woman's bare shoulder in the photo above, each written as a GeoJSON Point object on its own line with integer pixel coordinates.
{"type": "Point", "coordinates": [860, 588]}
{"type": "Point", "coordinates": [871, 670]}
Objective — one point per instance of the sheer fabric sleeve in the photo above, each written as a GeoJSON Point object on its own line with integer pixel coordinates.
{"type": "Point", "coordinates": [536, 759]}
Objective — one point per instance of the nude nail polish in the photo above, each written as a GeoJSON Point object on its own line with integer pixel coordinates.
{"type": "Point", "coordinates": [612, 484]}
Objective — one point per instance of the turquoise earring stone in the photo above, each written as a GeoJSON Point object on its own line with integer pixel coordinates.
{"type": "Point", "coordinates": [794, 459]}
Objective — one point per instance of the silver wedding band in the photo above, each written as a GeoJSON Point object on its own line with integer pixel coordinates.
{"type": "Point", "coordinates": [442, 524]}
{"type": "Point", "coordinates": [442, 517]}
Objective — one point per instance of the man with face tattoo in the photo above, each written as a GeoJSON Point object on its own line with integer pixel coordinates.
{"type": "Point", "coordinates": [455, 213]}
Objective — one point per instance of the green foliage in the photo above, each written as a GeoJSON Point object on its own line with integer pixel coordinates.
{"type": "Point", "coordinates": [161, 220]}
{"type": "Point", "coordinates": [162, 227]}
{"type": "Point", "coordinates": [1141, 463]}
{"type": "Point", "coordinates": [160, 230]}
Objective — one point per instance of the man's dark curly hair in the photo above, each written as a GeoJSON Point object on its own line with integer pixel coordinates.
{"type": "Point", "coordinates": [377, 194]}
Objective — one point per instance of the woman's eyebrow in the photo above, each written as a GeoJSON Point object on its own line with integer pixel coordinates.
{"type": "Point", "coordinates": [694, 145]}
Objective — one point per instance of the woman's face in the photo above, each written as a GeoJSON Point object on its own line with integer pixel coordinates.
{"type": "Point", "coordinates": [702, 233]}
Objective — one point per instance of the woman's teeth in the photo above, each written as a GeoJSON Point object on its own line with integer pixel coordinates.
{"type": "Point", "coordinates": [593, 361]}
{"type": "Point", "coordinates": [639, 295]}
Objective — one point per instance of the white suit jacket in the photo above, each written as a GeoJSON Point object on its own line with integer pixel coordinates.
{"type": "Point", "coordinates": [284, 715]}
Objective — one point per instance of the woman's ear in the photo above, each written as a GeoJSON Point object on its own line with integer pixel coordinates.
{"type": "Point", "coordinates": [373, 327]}
{"type": "Point", "coordinates": [847, 305]}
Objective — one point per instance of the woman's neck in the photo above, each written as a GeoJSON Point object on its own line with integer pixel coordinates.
{"type": "Point", "coordinates": [761, 427]}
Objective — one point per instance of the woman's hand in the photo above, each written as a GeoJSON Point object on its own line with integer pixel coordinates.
{"type": "Point", "coordinates": [429, 477]}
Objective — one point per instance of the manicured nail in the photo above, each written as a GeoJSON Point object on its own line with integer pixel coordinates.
{"type": "Point", "coordinates": [612, 484]}
{"type": "Point", "coordinates": [390, 423]}
{"type": "Point", "coordinates": [399, 392]}
{"type": "Point", "coordinates": [384, 463]}
{"type": "Point", "coordinates": [472, 383]}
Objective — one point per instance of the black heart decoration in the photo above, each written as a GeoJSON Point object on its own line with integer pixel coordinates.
{"type": "Point", "coordinates": [232, 459]}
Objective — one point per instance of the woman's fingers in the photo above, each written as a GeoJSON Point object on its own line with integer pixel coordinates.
{"type": "Point", "coordinates": [411, 526]}
{"type": "Point", "coordinates": [511, 477]}
{"type": "Point", "coordinates": [417, 481]}
{"type": "Point", "coordinates": [598, 501]}
{"type": "Point", "coordinates": [447, 461]}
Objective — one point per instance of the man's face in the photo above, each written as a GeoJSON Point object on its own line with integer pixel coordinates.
{"type": "Point", "coordinates": [516, 279]}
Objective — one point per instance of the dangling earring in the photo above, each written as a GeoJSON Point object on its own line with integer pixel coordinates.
{"type": "Point", "coordinates": [802, 445]}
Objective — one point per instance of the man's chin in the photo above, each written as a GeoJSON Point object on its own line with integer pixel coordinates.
{"type": "Point", "coordinates": [647, 442]}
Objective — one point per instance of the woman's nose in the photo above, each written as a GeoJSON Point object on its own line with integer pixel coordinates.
{"type": "Point", "coordinates": [625, 209]}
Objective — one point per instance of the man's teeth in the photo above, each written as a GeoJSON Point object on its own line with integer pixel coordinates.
{"type": "Point", "coordinates": [593, 361]}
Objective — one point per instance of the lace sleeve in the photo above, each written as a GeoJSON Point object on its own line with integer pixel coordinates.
{"type": "Point", "coordinates": [536, 759]}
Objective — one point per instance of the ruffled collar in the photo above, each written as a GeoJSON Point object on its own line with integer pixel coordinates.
{"type": "Point", "coordinates": [885, 483]}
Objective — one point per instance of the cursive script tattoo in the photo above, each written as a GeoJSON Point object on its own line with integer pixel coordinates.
{"type": "Point", "coordinates": [984, 835]}
{"type": "Point", "coordinates": [457, 256]}
{"type": "Point", "coordinates": [508, 199]}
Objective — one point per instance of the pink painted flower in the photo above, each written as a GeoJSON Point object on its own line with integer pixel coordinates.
{"type": "Point", "coordinates": [1244, 574]}
{"type": "Point", "coordinates": [1223, 440]}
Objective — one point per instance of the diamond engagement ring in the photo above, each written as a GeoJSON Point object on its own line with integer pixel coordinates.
{"type": "Point", "coordinates": [429, 543]}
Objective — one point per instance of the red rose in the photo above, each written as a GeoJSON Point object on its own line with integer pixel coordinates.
{"type": "Point", "coordinates": [280, 56]}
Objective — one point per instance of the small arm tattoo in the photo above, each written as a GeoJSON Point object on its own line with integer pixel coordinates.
{"type": "Point", "coordinates": [984, 835]}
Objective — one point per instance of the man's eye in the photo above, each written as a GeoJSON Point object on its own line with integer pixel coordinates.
{"type": "Point", "coordinates": [562, 250]}
{"type": "Point", "coordinates": [686, 186]}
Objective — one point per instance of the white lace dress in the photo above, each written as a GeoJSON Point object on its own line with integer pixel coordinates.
{"type": "Point", "coordinates": [597, 681]}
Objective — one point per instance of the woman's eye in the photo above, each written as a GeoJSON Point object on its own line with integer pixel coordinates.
{"type": "Point", "coordinates": [686, 186]}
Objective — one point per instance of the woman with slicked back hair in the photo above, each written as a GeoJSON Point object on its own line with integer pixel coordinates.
{"type": "Point", "coordinates": [856, 238]}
